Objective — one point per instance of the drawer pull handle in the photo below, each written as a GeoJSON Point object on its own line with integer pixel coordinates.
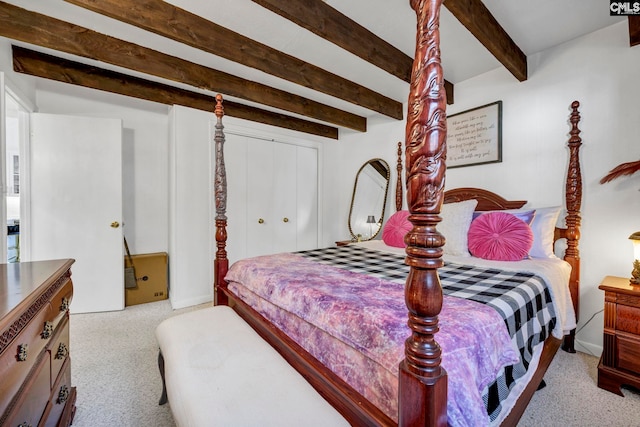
{"type": "Point", "coordinates": [47, 330]}
{"type": "Point", "coordinates": [64, 305]}
{"type": "Point", "coordinates": [22, 352]}
{"type": "Point", "coordinates": [62, 352]}
{"type": "Point", "coordinates": [63, 394]}
{"type": "Point", "coordinates": [25, 424]}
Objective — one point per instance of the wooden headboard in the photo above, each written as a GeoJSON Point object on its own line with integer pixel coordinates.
{"type": "Point", "coordinates": [487, 201]}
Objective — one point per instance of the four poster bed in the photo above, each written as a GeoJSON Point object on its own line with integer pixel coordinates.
{"type": "Point", "coordinates": [300, 303]}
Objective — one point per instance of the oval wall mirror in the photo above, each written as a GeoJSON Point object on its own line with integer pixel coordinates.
{"type": "Point", "coordinates": [369, 200]}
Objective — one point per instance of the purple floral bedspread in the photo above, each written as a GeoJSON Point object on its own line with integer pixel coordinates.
{"type": "Point", "coordinates": [357, 324]}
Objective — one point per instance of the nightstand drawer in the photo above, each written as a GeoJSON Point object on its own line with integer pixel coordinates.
{"type": "Point", "coordinates": [628, 319]}
{"type": "Point", "coordinates": [632, 300]}
{"type": "Point", "coordinates": [628, 353]}
{"type": "Point", "coordinates": [620, 361]}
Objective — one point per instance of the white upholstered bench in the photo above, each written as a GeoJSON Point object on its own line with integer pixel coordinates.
{"type": "Point", "coordinates": [219, 372]}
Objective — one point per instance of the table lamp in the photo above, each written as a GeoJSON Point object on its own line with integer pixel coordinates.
{"type": "Point", "coordinates": [371, 220]}
{"type": "Point", "coordinates": [635, 273]}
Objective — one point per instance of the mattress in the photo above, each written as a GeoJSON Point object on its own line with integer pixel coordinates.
{"type": "Point", "coordinates": [359, 333]}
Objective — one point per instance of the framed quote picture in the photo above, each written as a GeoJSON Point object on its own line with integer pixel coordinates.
{"type": "Point", "coordinates": [474, 137]}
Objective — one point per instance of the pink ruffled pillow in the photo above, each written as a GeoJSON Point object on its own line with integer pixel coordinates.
{"type": "Point", "coordinates": [396, 228]}
{"type": "Point", "coordinates": [500, 236]}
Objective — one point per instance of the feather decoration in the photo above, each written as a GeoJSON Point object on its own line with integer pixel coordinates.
{"type": "Point", "coordinates": [621, 170]}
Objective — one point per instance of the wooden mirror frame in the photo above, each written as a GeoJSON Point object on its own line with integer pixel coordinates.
{"type": "Point", "coordinates": [379, 219]}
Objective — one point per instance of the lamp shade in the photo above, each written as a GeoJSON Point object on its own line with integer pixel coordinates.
{"type": "Point", "coordinates": [635, 239]}
{"type": "Point", "coordinates": [371, 219]}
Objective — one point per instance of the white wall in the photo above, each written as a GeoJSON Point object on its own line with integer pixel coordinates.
{"type": "Point", "coordinates": [599, 70]}
{"type": "Point", "coordinates": [191, 228]}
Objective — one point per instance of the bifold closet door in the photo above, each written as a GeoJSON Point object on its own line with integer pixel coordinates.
{"type": "Point", "coordinates": [284, 213]}
{"type": "Point", "coordinates": [306, 198]}
{"type": "Point", "coordinates": [260, 196]}
{"type": "Point", "coordinates": [273, 197]}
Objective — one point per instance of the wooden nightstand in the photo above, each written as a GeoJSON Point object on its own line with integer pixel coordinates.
{"type": "Point", "coordinates": [620, 361]}
{"type": "Point", "coordinates": [343, 242]}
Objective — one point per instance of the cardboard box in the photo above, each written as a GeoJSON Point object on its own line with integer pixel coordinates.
{"type": "Point", "coordinates": [151, 278]}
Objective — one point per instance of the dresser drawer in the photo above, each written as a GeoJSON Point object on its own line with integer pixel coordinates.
{"type": "Point", "coordinates": [20, 356]}
{"type": "Point", "coordinates": [30, 405]}
{"type": "Point", "coordinates": [60, 396]}
{"type": "Point", "coordinates": [628, 352]}
{"type": "Point", "coordinates": [60, 303]}
{"type": "Point", "coordinates": [59, 349]}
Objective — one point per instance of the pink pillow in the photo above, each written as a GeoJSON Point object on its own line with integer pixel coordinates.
{"type": "Point", "coordinates": [395, 229]}
{"type": "Point", "coordinates": [500, 236]}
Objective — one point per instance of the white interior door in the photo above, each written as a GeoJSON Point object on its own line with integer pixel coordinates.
{"type": "Point", "coordinates": [76, 204]}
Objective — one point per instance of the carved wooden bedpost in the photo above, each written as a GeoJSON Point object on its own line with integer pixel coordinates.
{"type": "Point", "coordinates": [221, 263]}
{"type": "Point", "coordinates": [422, 381]}
{"type": "Point", "coordinates": [573, 200]}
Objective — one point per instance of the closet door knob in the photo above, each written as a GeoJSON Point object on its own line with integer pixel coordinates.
{"type": "Point", "coordinates": [285, 219]}
{"type": "Point", "coordinates": [115, 224]}
{"type": "Point", "coordinates": [261, 221]}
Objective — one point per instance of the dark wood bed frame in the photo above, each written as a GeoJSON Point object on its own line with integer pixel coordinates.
{"type": "Point", "coordinates": [422, 396]}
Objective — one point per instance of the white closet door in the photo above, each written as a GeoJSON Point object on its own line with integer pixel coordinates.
{"type": "Point", "coordinates": [260, 200]}
{"type": "Point", "coordinates": [272, 203]}
{"type": "Point", "coordinates": [306, 198]}
{"type": "Point", "coordinates": [76, 204]}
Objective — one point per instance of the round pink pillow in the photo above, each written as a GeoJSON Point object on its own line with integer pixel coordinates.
{"type": "Point", "coordinates": [396, 228]}
{"type": "Point", "coordinates": [500, 236]}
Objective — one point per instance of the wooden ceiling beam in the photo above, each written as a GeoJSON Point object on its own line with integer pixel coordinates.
{"type": "Point", "coordinates": [63, 70]}
{"type": "Point", "coordinates": [41, 30]}
{"type": "Point", "coordinates": [634, 30]}
{"type": "Point", "coordinates": [185, 27]}
{"type": "Point", "coordinates": [328, 23]}
{"type": "Point", "coordinates": [475, 16]}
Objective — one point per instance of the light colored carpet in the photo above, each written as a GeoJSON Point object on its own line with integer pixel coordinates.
{"type": "Point", "coordinates": [114, 367]}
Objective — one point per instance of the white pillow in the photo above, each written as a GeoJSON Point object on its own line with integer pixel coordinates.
{"type": "Point", "coordinates": [543, 227]}
{"type": "Point", "coordinates": [456, 219]}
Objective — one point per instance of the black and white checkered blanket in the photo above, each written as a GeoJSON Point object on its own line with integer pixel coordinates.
{"type": "Point", "coordinates": [522, 299]}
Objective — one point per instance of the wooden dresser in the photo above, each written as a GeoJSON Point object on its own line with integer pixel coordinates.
{"type": "Point", "coordinates": [620, 361]}
{"type": "Point", "coordinates": [35, 367]}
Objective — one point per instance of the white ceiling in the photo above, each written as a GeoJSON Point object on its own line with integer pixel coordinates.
{"type": "Point", "coordinates": [533, 25]}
